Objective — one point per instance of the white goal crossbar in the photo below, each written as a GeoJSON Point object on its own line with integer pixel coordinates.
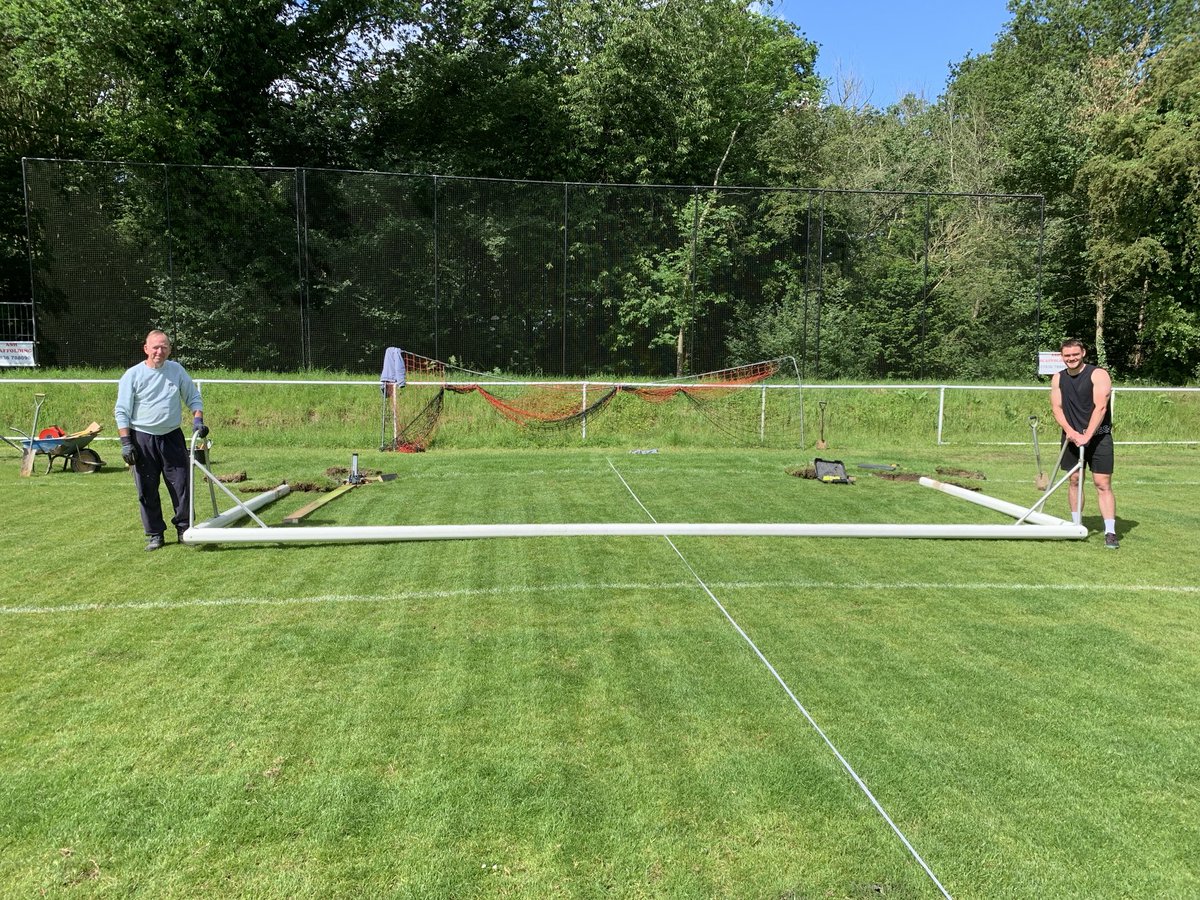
{"type": "Point", "coordinates": [1029, 525]}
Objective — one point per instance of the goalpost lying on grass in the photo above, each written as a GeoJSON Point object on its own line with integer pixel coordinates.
{"type": "Point", "coordinates": [1029, 524]}
{"type": "Point", "coordinates": [733, 401]}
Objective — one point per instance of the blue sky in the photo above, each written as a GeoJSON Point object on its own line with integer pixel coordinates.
{"type": "Point", "coordinates": [895, 47]}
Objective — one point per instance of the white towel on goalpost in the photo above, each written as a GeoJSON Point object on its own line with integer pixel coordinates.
{"type": "Point", "coordinates": [393, 369]}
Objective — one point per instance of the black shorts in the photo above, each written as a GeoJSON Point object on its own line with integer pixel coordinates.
{"type": "Point", "coordinates": [1097, 456]}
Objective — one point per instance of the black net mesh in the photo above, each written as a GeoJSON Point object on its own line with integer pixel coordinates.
{"type": "Point", "coordinates": [369, 254]}
{"type": "Point", "coordinates": [285, 270]}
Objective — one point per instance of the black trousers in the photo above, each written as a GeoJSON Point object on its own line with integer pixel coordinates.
{"type": "Point", "coordinates": [165, 457]}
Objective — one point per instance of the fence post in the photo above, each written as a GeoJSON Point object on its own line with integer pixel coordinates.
{"type": "Point", "coordinates": [300, 191]}
{"type": "Point", "coordinates": [566, 245]}
{"type": "Point", "coordinates": [169, 237]}
{"type": "Point", "coordinates": [941, 412]}
{"type": "Point", "coordinates": [437, 352]}
{"type": "Point", "coordinates": [762, 416]}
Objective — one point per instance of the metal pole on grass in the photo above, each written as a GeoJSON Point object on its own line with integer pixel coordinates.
{"type": "Point", "coordinates": [29, 248]}
{"type": "Point", "coordinates": [1079, 495]}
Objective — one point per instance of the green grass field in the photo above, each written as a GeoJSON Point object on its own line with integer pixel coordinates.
{"type": "Point", "coordinates": [579, 717]}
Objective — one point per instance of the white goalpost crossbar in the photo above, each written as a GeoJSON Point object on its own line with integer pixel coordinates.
{"type": "Point", "coordinates": [1030, 525]}
{"type": "Point", "coordinates": [364, 534]}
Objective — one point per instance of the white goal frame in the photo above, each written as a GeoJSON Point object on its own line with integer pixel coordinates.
{"type": "Point", "coordinates": [1028, 524]}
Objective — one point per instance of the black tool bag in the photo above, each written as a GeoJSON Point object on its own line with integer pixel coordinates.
{"type": "Point", "coordinates": [831, 471]}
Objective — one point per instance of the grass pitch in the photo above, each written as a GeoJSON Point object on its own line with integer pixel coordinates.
{"type": "Point", "coordinates": [576, 717]}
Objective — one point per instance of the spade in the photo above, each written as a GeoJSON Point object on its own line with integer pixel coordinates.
{"type": "Point", "coordinates": [1043, 481]}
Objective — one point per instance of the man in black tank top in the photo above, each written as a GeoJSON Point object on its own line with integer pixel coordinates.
{"type": "Point", "coordinates": [1080, 397]}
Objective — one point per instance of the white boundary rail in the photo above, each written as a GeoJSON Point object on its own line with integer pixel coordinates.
{"type": "Point", "coordinates": [940, 388]}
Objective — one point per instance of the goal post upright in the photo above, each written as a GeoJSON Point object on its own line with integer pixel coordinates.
{"type": "Point", "coordinates": [799, 394]}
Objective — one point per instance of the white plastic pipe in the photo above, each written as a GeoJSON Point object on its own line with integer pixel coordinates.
{"type": "Point", "coordinates": [1012, 509]}
{"type": "Point", "coordinates": [240, 512]}
{"type": "Point", "coordinates": [381, 533]}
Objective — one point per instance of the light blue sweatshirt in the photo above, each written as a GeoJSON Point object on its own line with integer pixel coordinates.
{"type": "Point", "coordinates": [152, 400]}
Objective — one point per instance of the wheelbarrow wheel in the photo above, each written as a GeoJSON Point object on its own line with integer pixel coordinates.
{"type": "Point", "coordinates": [86, 461]}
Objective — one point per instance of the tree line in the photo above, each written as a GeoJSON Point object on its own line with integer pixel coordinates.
{"type": "Point", "coordinates": [1091, 104]}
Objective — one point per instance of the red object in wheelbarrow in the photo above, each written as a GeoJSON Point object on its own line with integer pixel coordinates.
{"type": "Point", "coordinates": [72, 449]}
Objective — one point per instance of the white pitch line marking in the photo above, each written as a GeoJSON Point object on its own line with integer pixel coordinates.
{"type": "Point", "coordinates": [796, 700]}
{"type": "Point", "coordinates": [619, 587]}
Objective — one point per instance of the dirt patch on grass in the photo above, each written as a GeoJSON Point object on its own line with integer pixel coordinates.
{"type": "Point", "coordinates": [341, 472]}
{"type": "Point", "coordinates": [810, 472]}
{"type": "Point", "coordinates": [960, 473]}
{"type": "Point", "coordinates": [319, 487]}
{"type": "Point", "coordinates": [802, 471]}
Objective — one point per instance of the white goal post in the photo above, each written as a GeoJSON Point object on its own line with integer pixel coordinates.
{"type": "Point", "coordinates": [1029, 524]}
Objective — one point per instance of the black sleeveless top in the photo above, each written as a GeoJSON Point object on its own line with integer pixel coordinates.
{"type": "Point", "coordinates": [1077, 403]}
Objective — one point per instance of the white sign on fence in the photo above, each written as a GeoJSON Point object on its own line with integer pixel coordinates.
{"type": "Point", "coordinates": [1049, 362]}
{"type": "Point", "coordinates": [16, 353]}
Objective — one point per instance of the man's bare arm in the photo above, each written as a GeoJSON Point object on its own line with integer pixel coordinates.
{"type": "Point", "coordinates": [1101, 389]}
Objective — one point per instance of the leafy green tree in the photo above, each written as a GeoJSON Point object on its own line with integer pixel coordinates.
{"type": "Point", "coordinates": [269, 82]}
{"type": "Point", "coordinates": [679, 92]}
{"type": "Point", "coordinates": [1038, 98]}
{"type": "Point", "coordinates": [668, 289]}
{"type": "Point", "coordinates": [1143, 202]}
{"type": "Point", "coordinates": [466, 87]}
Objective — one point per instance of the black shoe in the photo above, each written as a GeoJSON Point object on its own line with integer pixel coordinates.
{"type": "Point", "coordinates": [180, 532]}
{"type": "Point", "coordinates": [1111, 542]}
{"type": "Point", "coordinates": [155, 542]}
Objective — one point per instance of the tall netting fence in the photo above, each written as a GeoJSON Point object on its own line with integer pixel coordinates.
{"type": "Point", "coordinates": [298, 269]}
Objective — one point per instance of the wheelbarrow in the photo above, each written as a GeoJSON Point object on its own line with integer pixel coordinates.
{"type": "Point", "coordinates": [72, 449]}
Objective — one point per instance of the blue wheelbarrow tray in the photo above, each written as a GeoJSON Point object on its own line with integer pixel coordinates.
{"type": "Point", "coordinates": [67, 448]}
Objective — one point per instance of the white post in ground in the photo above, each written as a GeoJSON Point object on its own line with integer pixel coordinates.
{"type": "Point", "coordinates": [941, 412]}
{"type": "Point", "coordinates": [762, 416]}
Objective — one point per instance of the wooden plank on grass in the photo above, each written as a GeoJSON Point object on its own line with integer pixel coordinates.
{"type": "Point", "coordinates": [294, 518]}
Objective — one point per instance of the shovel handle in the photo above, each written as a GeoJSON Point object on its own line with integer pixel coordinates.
{"type": "Point", "coordinates": [38, 400]}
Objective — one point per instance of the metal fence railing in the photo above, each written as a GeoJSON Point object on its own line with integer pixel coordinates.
{"type": "Point", "coordinates": [299, 269]}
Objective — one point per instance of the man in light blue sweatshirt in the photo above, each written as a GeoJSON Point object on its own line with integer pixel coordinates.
{"type": "Point", "coordinates": [151, 397]}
